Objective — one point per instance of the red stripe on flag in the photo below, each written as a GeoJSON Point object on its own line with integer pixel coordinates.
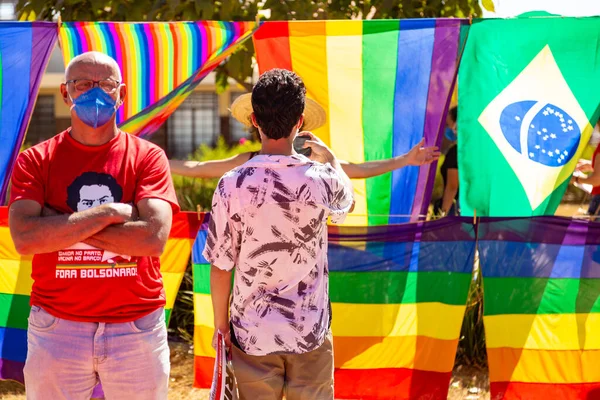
{"type": "Point", "coordinates": [203, 371]}
{"type": "Point", "coordinates": [543, 391]}
{"type": "Point", "coordinates": [275, 52]}
{"type": "Point", "coordinates": [366, 384]}
{"type": "Point", "coordinates": [391, 383]}
{"type": "Point", "coordinates": [186, 224]}
{"type": "Point", "coordinates": [3, 216]}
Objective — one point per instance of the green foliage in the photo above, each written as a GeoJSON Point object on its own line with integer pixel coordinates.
{"type": "Point", "coordinates": [193, 192]}
{"type": "Point", "coordinates": [239, 66]}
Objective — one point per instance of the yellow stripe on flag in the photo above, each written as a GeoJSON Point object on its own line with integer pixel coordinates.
{"type": "Point", "coordinates": [176, 255]}
{"type": "Point", "coordinates": [344, 68]}
{"type": "Point", "coordinates": [308, 48]}
{"type": "Point", "coordinates": [544, 331]}
{"type": "Point", "coordinates": [171, 282]}
{"type": "Point", "coordinates": [434, 320]}
{"type": "Point", "coordinates": [418, 352]}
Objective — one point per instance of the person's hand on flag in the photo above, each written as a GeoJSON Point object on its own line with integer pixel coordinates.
{"type": "Point", "coordinates": [420, 155]}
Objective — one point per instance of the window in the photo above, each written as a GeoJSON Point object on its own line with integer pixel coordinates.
{"type": "Point", "coordinates": [42, 125]}
{"type": "Point", "coordinates": [194, 123]}
{"type": "Point", "coordinates": [237, 129]}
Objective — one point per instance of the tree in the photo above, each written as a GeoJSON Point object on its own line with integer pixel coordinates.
{"type": "Point", "coordinates": [239, 65]}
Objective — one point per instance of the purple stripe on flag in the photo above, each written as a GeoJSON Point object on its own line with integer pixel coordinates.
{"type": "Point", "coordinates": [12, 370]}
{"type": "Point", "coordinates": [441, 82]}
{"type": "Point", "coordinates": [43, 39]}
{"type": "Point", "coordinates": [554, 230]}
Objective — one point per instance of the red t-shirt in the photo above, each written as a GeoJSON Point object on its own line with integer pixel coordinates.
{"type": "Point", "coordinates": [595, 189]}
{"type": "Point", "coordinates": [83, 283]}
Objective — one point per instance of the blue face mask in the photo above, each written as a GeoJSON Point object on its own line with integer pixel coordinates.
{"type": "Point", "coordinates": [450, 134]}
{"type": "Point", "coordinates": [94, 107]}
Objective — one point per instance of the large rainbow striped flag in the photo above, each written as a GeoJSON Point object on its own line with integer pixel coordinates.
{"type": "Point", "coordinates": [398, 298]}
{"type": "Point", "coordinates": [385, 85]}
{"type": "Point", "coordinates": [16, 282]}
{"type": "Point", "coordinates": [25, 48]}
{"type": "Point", "coordinates": [161, 62]}
{"type": "Point", "coordinates": [541, 280]}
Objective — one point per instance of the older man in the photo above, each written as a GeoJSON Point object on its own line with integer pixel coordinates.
{"type": "Point", "coordinates": [94, 206]}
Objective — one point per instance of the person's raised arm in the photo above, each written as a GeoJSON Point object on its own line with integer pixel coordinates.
{"type": "Point", "coordinates": [34, 233]}
{"type": "Point", "coordinates": [418, 155]}
{"type": "Point", "coordinates": [207, 169]}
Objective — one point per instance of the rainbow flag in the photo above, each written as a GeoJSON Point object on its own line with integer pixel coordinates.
{"type": "Point", "coordinates": [25, 48]}
{"type": "Point", "coordinates": [16, 282]}
{"type": "Point", "coordinates": [204, 354]}
{"type": "Point", "coordinates": [541, 280]}
{"type": "Point", "coordinates": [161, 62]}
{"type": "Point", "coordinates": [176, 256]}
{"type": "Point", "coordinates": [385, 85]}
{"type": "Point", "coordinates": [398, 298]}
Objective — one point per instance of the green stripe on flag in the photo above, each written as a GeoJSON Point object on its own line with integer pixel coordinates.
{"type": "Point", "coordinates": [379, 287]}
{"type": "Point", "coordinates": [14, 310]}
{"type": "Point", "coordinates": [201, 278]}
{"type": "Point", "coordinates": [168, 315]}
{"type": "Point", "coordinates": [541, 296]}
{"type": "Point", "coordinates": [399, 287]}
{"type": "Point", "coordinates": [380, 44]}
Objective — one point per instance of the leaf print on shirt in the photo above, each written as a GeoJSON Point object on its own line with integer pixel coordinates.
{"type": "Point", "coordinates": [243, 174]}
{"type": "Point", "coordinates": [271, 303]}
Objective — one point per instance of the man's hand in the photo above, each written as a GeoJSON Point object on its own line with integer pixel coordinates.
{"type": "Point", "coordinates": [420, 155]}
{"type": "Point", "coordinates": [226, 334]}
{"type": "Point", "coordinates": [136, 235]}
{"type": "Point", "coordinates": [584, 166]}
{"type": "Point", "coordinates": [123, 212]}
{"type": "Point", "coordinates": [320, 151]}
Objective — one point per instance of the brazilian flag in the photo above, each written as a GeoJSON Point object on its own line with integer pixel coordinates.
{"type": "Point", "coordinates": [529, 90]}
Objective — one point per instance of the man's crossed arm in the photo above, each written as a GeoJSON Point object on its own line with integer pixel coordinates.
{"type": "Point", "coordinates": [140, 230]}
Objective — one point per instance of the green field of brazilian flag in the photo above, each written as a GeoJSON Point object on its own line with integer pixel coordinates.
{"type": "Point", "coordinates": [528, 91]}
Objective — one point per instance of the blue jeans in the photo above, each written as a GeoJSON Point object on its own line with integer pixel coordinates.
{"type": "Point", "coordinates": [66, 359]}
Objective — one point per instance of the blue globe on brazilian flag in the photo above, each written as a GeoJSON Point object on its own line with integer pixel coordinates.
{"type": "Point", "coordinates": [529, 91]}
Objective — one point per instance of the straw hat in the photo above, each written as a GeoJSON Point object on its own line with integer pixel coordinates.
{"type": "Point", "coordinates": [314, 114]}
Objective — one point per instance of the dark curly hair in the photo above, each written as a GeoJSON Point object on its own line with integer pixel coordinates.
{"type": "Point", "coordinates": [89, 179]}
{"type": "Point", "coordinates": [278, 100]}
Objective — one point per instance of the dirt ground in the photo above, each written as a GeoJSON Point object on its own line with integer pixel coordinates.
{"type": "Point", "coordinates": [467, 384]}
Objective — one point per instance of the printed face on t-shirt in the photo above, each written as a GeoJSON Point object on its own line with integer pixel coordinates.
{"type": "Point", "coordinates": [92, 189]}
{"type": "Point", "coordinates": [94, 195]}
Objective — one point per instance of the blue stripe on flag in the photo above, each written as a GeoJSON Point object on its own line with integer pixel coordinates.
{"type": "Point", "coordinates": [415, 50]}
